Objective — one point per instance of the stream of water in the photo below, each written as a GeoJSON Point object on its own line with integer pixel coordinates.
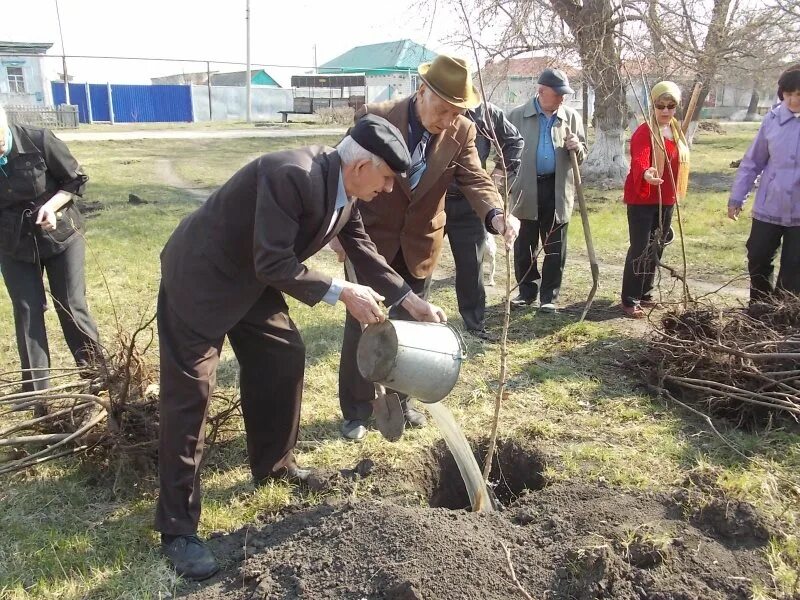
{"type": "Point", "coordinates": [465, 460]}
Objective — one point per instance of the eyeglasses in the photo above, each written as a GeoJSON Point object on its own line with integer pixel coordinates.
{"type": "Point", "coordinates": [666, 106]}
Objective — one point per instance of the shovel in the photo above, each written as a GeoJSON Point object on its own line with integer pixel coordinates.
{"type": "Point", "coordinates": [386, 408]}
{"type": "Point", "coordinates": [587, 233]}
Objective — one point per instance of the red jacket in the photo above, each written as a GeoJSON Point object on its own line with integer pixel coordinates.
{"type": "Point", "coordinates": [637, 190]}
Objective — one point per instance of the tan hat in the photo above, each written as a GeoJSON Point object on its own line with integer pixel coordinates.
{"type": "Point", "coordinates": [450, 79]}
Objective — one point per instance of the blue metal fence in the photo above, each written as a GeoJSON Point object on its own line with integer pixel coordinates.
{"type": "Point", "coordinates": [77, 97]}
{"type": "Point", "coordinates": [128, 103]}
{"type": "Point", "coordinates": [101, 109]}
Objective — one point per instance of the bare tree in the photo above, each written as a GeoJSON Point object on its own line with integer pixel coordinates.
{"type": "Point", "coordinates": [790, 8]}
{"type": "Point", "coordinates": [709, 37]}
{"type": "Point", "coordinates": [589, 30]}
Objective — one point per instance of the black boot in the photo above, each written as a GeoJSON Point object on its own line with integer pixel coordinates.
{"type": "Point", "coordinates": [414, 418]}
{"type": "Point", "coordinates": [190, 557]}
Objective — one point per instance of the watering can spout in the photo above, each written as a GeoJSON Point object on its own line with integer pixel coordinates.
{"type": "Point", "coordinates": [422, 360]}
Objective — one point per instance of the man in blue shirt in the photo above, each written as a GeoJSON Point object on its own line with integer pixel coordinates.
{"type": "Point", "coordinates": [543, 193]}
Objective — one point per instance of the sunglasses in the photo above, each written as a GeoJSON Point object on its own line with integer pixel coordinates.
{"type": "Point", "coordinates": [666, 106]}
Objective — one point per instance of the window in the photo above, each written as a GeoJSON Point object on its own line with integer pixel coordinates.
{"type": "Point", "coordinates": [16, 81]}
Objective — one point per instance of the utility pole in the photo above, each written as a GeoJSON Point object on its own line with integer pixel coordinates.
{"type": "Point", "coordinates": [315, 60]}
{"type": "Point", "coordinates": [63, 56]}
{"type": "Point", "coordinates": [249, 90]}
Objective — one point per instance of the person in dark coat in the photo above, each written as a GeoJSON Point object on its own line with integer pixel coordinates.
{"type": "Point", "coordinates": [465, 230]}
{"type": "Point", "coordinates": [41, 231]}
{"type": "Point", "coordinates": [225, 270]}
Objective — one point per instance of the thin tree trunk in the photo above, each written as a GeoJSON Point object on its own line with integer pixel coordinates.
{"type": "Point", "coordinates": [590, 23]}
{"type": "Point", "coordinates": [752, 108]}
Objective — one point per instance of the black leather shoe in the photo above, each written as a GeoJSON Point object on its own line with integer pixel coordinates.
{"type": "Point", "coordinates": [521, 301]}
{"type": "Point", "coordinates": [414, 418]}
{"type": "Point", "coordinates": [190, 557]}
{"type": "Point", "coordinates": [292, 474]}
{"type": "Point", "coordinates": [482, 334]}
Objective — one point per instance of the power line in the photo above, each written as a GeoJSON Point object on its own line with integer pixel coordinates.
{"type": "Point", "coordinates": [195, 60]}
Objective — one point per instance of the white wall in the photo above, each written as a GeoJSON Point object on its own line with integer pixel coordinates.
{"type": "Point", "coordinates": [37, 90]}
{"type": "Point", "coordinates": [381, 88]}
{"type": "Point", "coordinates": [230, 103]}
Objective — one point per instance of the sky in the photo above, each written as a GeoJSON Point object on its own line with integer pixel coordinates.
{"type": "Point", "coordinates": [282, 33]}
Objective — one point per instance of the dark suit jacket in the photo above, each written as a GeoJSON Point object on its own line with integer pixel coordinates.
{"type": "Point", "coordinates": [414, 222]}
{"type": "Point", "coordinates": [256, 231]}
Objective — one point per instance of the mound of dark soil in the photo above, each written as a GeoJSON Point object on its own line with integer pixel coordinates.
{"type": "Point", "coordinates": [568, 541]}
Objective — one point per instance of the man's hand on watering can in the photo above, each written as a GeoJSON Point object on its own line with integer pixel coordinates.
{"type": "Point", "coordinates": [423, 311]}
{"type": "Point", "coordinates": [362, 302]}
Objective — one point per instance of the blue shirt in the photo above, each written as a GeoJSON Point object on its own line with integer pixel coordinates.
{"type": "Point", "coordinates": [545, 151]}
{"type": "Point", "coordinates": [333, 293]}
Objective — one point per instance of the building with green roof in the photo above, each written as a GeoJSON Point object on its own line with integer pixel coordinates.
{"type": "Point", "coordinates": [390, 67]}
{"type": "Point", "coordinates": [386, 58]}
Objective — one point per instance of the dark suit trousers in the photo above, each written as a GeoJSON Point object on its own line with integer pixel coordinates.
{"type": "Point", "coordinates": [271, 358]}
{"type": "Point", "coordinates": [762, 246]}
{"type": "Point", "coordinates": [467, 235]}
{"type": "Point", "coordinates": [643, 252]}
{"type": "Point", "coordinates": [65, 274]}
{"type": "Point", "coordinates": [355, 392]}
{"type": "Point", "coordinates": [553, 237]}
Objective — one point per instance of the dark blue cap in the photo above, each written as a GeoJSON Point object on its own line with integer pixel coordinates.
{"type": "Point", "coordinates": [383, 139]}
{"type": "Point", "coordinates": [556, 79]}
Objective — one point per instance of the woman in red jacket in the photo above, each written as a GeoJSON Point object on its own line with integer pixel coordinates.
{"type": "Point", "coordinates": [658, 178]}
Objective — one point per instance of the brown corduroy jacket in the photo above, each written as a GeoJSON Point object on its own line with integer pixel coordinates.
{"type": "Point", "coordinates": [414, 221]}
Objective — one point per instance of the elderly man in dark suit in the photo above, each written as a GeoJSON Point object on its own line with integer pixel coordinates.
{"type": "Point", "coordinates": [224, 272]}
{"type": "Point", "coordinates": [407, 222]}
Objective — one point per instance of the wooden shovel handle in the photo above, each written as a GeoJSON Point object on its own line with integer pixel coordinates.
{"type": "Point", "coordinates": [690, 110]}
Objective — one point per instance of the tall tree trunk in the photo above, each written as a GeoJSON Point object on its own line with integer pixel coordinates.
{"type": "Point", "coordinates": [592, 24]}
{"type": "Point", "coordinates": [607, 158]}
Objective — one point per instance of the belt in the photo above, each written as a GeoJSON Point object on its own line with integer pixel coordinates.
{"type": "Point", "coordinates": [545, 176]}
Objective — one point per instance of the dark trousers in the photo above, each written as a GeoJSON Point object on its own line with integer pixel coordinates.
{"type": "Point", "coordinates": [467, 235]}
{"type": "Point", "coordinates": [271, 358]}
{"type": "Point", "coordinates": [762, 246]}
{"type": "Point", "coordinates": [25, 284]}
{"type": "Point", "coordinates": [355, 392]}
{"type": "Point", "coordinates": [553, 237]}
{"type": "Point", "coordinates": [644, 250]}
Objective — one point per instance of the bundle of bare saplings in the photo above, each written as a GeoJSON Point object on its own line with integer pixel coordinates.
{"type": "Point", "coordinates": [742, 364]}
{"type": "Point", "coordinates": [108, 412]}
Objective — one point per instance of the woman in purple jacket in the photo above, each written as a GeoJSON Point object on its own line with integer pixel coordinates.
{"type": "Point", "coordinates": [775, 154]}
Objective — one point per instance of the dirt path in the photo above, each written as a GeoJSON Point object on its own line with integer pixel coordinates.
{"type": "Point", "coordinates": [168, 134]}
{"type": "Point", "coordinates": [696, 286]}
{"type": "Point", "coordinates": [168, 176]}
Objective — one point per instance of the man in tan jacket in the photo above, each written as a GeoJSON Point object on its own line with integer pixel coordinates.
{"type": "Point", "coordinates": [407, 223]}
{"type": "Point", "coordinates": [543, 193]}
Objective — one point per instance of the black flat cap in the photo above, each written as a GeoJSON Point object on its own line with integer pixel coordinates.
{"type": "Point", "coordinates": [556, 79]}
{"type": "Point", "coordinates": [383, 139]}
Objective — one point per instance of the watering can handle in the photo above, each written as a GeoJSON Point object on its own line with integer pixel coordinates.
{"type": "Point", "coordinates": [462, 344]}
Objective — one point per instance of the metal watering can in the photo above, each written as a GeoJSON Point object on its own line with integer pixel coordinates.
{"type": "Point", "coordinates": [422, 360]}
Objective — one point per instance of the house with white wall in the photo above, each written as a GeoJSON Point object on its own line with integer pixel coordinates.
{"type": "Point", "coordinates": [22, 79]}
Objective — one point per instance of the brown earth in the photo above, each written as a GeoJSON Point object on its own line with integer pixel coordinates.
{"type": "Point", "coordinates": [566, 541]}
